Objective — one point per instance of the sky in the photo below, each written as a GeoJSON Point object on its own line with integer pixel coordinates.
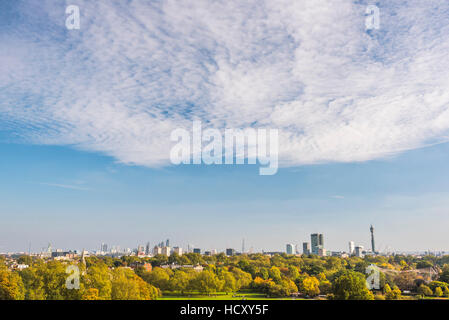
{"type": "Point", "coordinates": [86, 117]}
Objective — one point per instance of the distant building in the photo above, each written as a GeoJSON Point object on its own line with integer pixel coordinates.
{"type": "Point", "coordinates": [322, 252]}
{"type": "Point", "coordinates": [358, 251]}
{"type": "Point", "coordinates": [207, 253]}
{"type": "Point", "coordinates": [289, 248]}
{"type": "Point", "coordinates": [147, 249]}
{"type": "Point", "coordinates": [351, 247]}
{"type": "Point", "coordinates": [230, 252]}
{"type": "Point", "coordinates": [140, 250]}
{"type": "Point", "coordinates": [104, 247]}
{"type": "Point", "coordinates": [177, 250]}
{"type": "Point", "coordinates": [272, 253]}
{"type": "Point", "coordinates": [373, 247]}
{"type": "Point", "coordinates": [317, 242]}
{"type": "Point", "coordinates": [306, 248]}
{"type": "Point", "coordinates": [197, 250]}
{"type": "Point", "coordinates": [157, 250]}
{"type": "Point", "coordinates": [213, 251]}
{"type": "Point", "coordinates": [166, 251]}
{"type": "Point", "coordinates": [167, 243]}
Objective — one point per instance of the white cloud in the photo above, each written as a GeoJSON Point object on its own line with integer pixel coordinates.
{"type": "Point", "coordinates": [309, 68]}
{"type": "Point", "coordinates": [64, 186]}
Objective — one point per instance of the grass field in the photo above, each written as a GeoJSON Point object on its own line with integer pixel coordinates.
{"type": "Point", "coordinates": [221, 296]}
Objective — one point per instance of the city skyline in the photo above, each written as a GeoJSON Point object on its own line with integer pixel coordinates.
{"type": "Point", "coordinates": [314, 246]}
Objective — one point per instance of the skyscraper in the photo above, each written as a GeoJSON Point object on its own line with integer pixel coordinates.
{"type": "Point", "coordinates": [178, 251]}
{"type": "Point", "coordinates": [373, 248]}
{"type": "Point", "coordinates": [289, 248]}
{"type": "Point", "coordinates": [306, 248]}
{"type": "Point", "coordinates": [147, 248]}
{"type": "Point", "coordinates": [358, 251]}
{"type": "Point", "coordinates": [317, 241]}
{"type": "Point", "coordinates": [167, 243]}
{"type": "Point", "coordinates": [351, 247]}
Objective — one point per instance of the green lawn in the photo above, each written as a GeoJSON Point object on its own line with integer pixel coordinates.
{"type": "Point", "coordinates": [221, 296]}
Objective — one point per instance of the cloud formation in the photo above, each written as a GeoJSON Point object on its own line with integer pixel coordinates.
{"type": "Point", "coordinates": [136, 70]}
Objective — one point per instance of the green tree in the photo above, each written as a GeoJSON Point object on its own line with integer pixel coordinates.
{"type": "Point", "coordinates": [206, 282]}
{"type": "Point", "coordinates": [446, 292]}
{"type": "Point", "coordinates": [159, 278]}
{"type": "Point", "coordinates": [351, 285]}
{"type": "Point", "coordinates": [229, 282]}
{"type": "Point", "coordinates": [424, 290]}
{"type": "Point", "coordinates": [392, 294]}
{"type": "Point", "coordinates": [99, 278]}
{"type": "Point", "coordinates": [310, 286]}
{"type": "Point", "coordinates": [25, 259]}
{"type": "Point", "coordinates": [243, 279]}
{"type": "Point", "coordinates": [180, 281]}
{"type": "Point", "coordinates": [438, 292]}
{"type": "Point", "coordinates": [275, 274]}
{"type": "Point", "coordinates": [126, 285]}
{"type": "Point", "coordinates": [11, 286]}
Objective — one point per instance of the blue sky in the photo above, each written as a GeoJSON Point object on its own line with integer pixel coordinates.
{"type": "Point", "coordinates": [86, 116]}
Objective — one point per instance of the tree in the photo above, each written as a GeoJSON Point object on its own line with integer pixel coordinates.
{"type": "Point", "coordinates": [33, 283]}
{"type": "Point", "coordinates": [90, 294]}
{"type": "Point", "coordinates": [435, 284]}
{"type": "Point", "coordinates": [229, 282]}
{"type": "Point", "coordinates": [275, 274]}
{"type": "Point", "coordinates": [424, 290]}
{"type": "Point", "coordinates": [310, 286]}
{"type": "Point", "coordinates": [438, 292]}
{"type": "Point", "coordinates": [180, 281]}
{"type": "Point", "coordinates": [351, 285]}
{"type": "Point", "coordinates": [243, 279]}
{"type": "Point", "coordinates": [11, 286]}
{"type": "Point", "coordinates": [159, 278]}
{"type": "Point", "coordinates": [206, 282]}
{"type": "Point", "coordinates": [405, 280]}
{"type": "Point", "coordinates": [126, 285]}
{"type": "Point", "coordinates": [392, 294]}
{"type": "Point", "coordinates": [444, 275]}
{"type": "Point", "coordinates": [99, 278]}
{"type": "Point", "coordinates": [25, 259]}
{"type": "Point", "coordinates": [446, 292]}
{"type": "Point", "coordinates": [285, 288]}
{"type": "Point", "coordinates": [293, 272]}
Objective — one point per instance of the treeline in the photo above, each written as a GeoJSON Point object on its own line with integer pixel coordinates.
{"type": "Point", "coordinates": [277, 276]}
{"type": "Point", "coordinates": [47, 280]}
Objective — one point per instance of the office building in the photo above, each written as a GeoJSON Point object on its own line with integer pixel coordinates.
{"type": "Point", "coordinates": [197, 250]}
{"type": "Point", "coordinates": [359, 251]}
{"type": "Point", "coordinates": [289, 248]}
{"type": "Point", "coordinates": [351, 247]}
{"type": "Point", "coordinates": [306, 248]}
{"type": "Point", "coordinates": [230, 252]}
{"type": "Point", "coordinates": [166, 251]}
{"type": "Point", "coordinates": [157, 250]}
{"type": "Point", "coordinates": [317, 241]}
{"type": "Point", "coordinates": [177, 250]}
{"type": "Point", "coordinates": [322, 252]}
